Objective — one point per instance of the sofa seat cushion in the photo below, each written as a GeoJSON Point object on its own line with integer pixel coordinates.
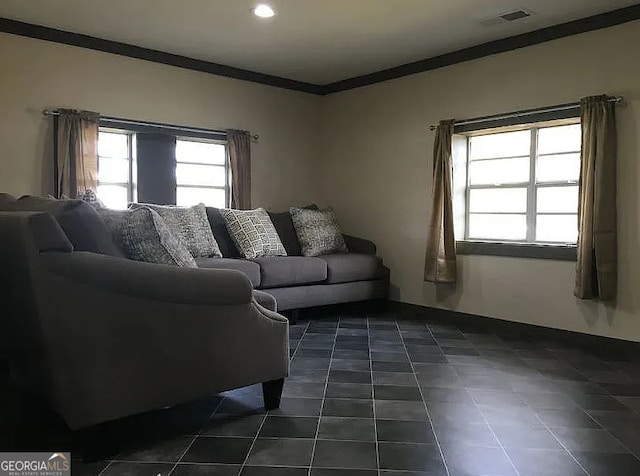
{"type": "Point", "coordinates": [349, 267]}
{"type": "Point", "coordinates": [283, 271]}
{"type": "Point", "coordinates": [251, 269]}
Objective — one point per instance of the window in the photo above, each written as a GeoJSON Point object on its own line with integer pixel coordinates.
{"type": "Point", "coordinates": [201, 173]}
{"type": "Point", "coordinates": [116, 168]}
{"type": "Point", "coordinates": [201, 168]}
{"type": "Point", "coordinates": [522, 185]}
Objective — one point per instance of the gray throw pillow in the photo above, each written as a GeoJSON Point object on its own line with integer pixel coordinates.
{"type": "Point", "coordinates": [91, 198]}
{"type": "Point", "coordinates": [146, 237]}
{"type": "Point", "coordinates": [191, 225]}
{"type": "Point", "coordinates": [115, 221]}
{"type": "Point", "coordinates": [286, 231]}
{"type": "Point", "coordinates": [318, 231]}
{"type": "Point", "coordinates": [79, 220]}
{"type": "Point", "coordinates": [253, 233]}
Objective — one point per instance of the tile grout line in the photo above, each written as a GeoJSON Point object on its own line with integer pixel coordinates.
{"type": "Point", "coordinates": [266, 415]}
{"type": "Point", "coordinates": [549, 428]}
{"type": "Point", "coordinates": [246, 458]}
{"type": "Point", "coordinates": [373, 399]}
{"type": "Point", "coordinates": [324, 393]}
{"type": "Point", "coordinates": [105, 468]}
{"type": "Point", "coordinates": [424, 403]}
{"type": "Point", "coordinates": [160, 462]}
{"type": "Point", "coordinates": [220, 403]}
{"type": "Point", "coordinates": [586, 412]}
{"type": "Point", "coordinates": [304, 332]}
{"type": "Point", "coordinates": [479, 410]}
{"type": "Point", "coordinates": [195, 437]}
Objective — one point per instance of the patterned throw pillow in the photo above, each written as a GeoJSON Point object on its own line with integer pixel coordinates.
{"type": "Point", "coordinates": [91, 198]}
{"type": "Point", "coordinates": [318, 231]}
{"type": "Point", "coordinates": [146, 237]}
{"type": "Point", "coordinates": [253, 233]}
{"type": "Point", "coordinates": [191, 225]}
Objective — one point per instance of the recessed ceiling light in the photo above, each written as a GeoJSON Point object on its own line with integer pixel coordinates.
{"type": "Point", "coordinates": [263, 11]}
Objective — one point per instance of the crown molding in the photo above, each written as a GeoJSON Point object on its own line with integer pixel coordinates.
{"type": "Point", "coordinates": [584, 25]}
{"type": "Point", "coordinates": [123, 49]}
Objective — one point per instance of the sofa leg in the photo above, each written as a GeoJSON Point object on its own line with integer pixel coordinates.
{"type": "Point", "coordinates": [271, 393]}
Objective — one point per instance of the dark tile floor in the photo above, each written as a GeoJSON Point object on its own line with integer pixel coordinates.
{"type": "Point", "coordinates": [378, 394]}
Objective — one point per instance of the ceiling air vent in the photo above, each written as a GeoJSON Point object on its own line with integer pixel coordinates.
{"type": "Point", "coordinates": [515, 15]}
{"type": "Point", "coordinates": [510, 16]}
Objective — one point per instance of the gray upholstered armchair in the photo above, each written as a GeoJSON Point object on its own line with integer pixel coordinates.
{"type": "Point", "coordinates": [106, 337]}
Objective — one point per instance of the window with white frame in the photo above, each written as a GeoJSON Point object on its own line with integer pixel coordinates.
{"type": "Point", "coordinates": [202, 171]}
{"type": "Point", "coordinates": [116, 184]}
{"type": "Point", "coordinates": [202, 174]}
{"type": "Point", "coordinates": [522, 185]}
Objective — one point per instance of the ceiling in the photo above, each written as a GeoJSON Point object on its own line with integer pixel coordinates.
{"type": "Point", "coordinates": [314, 41]}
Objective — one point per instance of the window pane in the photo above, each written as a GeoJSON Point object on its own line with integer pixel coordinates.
{"type": "Point", "coordinates": [200, 152]}
{"type": "Point", "coordinates": [188, 196]}
{"type": "Point", "coordinates": [505, 144]}
{"type": "Point", "coordinates": [113, 170]}
{"type": "Point", "coordinates": [496, 172]}
{"type": "Point", "coordinates": [498, 200]}
{"type": "Point", "coordinates": [552, 140]}
{"type": "Point", "coordinates": [113, 196]}
{"type": "Point", "coordinates": [558, 168]}
{"type": "Point", "coordinates": [557, 199]}
{"type": "Point", "coordinates": [188, 174]}
{"type": "Point", "coordinates": [557, 228]}
{"type": "Point", "coordinates": [112, 144]}
{"type": "Point", "coordinates": [498, 227]}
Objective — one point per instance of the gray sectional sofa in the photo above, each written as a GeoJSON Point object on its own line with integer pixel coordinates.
{"type": "Point", "coordinates": [99, 337]}
{"type": "Point", "coordinates": [298, 281]}
{"type": "Point", "coordinates": [295, 281]}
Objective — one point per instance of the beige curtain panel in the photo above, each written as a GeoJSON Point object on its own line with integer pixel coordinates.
{"type": "Point", "coordinates": [596, 272]}
{"type": "Point", "coordinates": [440, 263]}
{"type": "Point", "coordinates": [76, 159]}
{"type": "Point", "coordinates": [240, 163]}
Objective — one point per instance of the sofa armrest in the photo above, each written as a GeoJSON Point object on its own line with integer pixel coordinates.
{"type": "Point", "coordinates": [360, 245]}
{"type": "Point", "coordinates": [152, 281]}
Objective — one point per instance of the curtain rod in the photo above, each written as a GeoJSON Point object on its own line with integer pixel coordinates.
{"type": "Point", "coordinates": [525, 113]}
{"type": "Point", "coordinates": [56, 112]}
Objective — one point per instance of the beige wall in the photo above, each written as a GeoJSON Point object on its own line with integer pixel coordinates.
{"type": "Point", "coordinates": [377, 173]}
{"type": "Point", "coordinates": [374, 162]}
{"type": "Point", "coordinates": [36, 74]}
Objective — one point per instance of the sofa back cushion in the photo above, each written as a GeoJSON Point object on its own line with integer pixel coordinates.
{"type": "Point", "coordinates": [191, 225]}
{"type": "Point", "coordinates": [48, 234]}
{"type": "Point", "coordinates": [80, 221]}
{"type": "Point", "coordinates": [146, 237]}
{"type": "Point", "coordinates": [284, 226]}
{"type": "Point", "coordinates": [219, 228]}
